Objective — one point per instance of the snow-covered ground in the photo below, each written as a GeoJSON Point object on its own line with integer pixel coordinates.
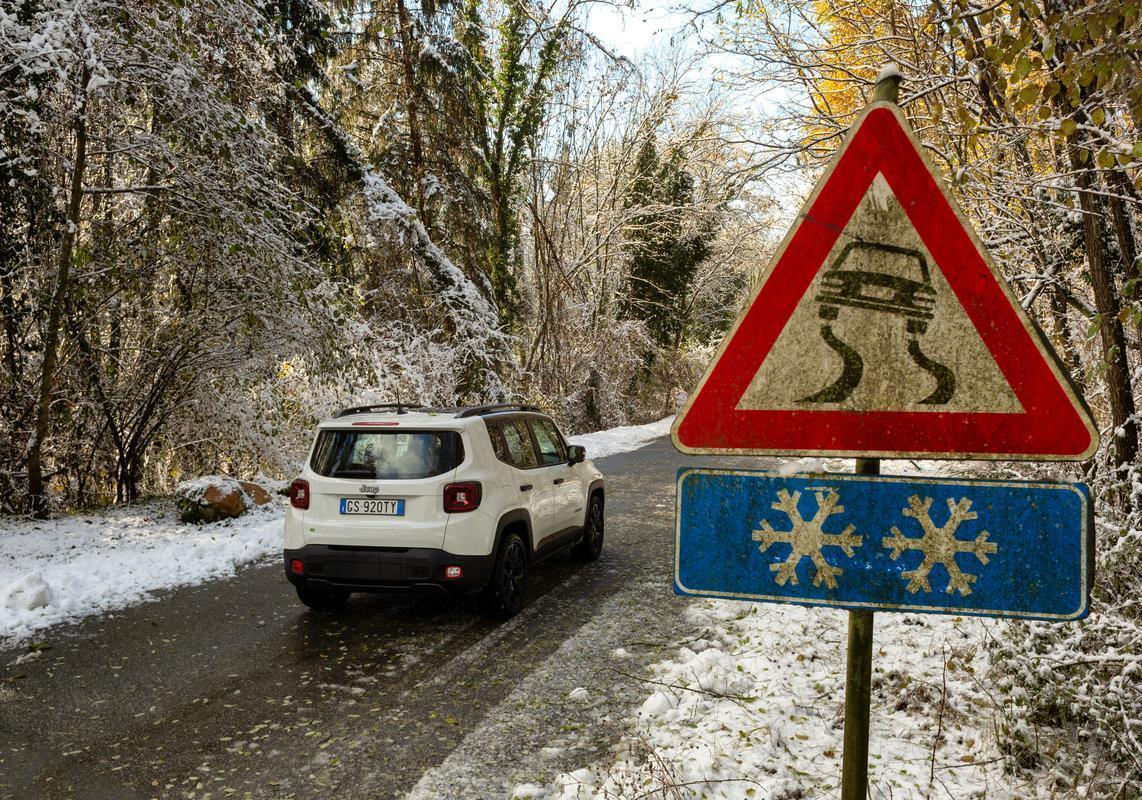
{"type": "Point", "coordinates": [62, 569]}
{"type": "Point", "coordinates": [622, 440]}
{"type": "Point", "coordinates": [752, 707]}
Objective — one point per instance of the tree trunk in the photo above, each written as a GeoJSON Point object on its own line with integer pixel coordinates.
{"type": "Point", "coordinates": [1118, 381]}
{"type": "Point", "coordinates": [413, 107]}
{"type": "Point", "coordinates": [9, 255]}
{"type": "Point", "coordinates": [591, 412]}
{"type": "Point", "coordinates": [37, 499]}
{"type": "Point", "coordinates": [501, 254]}
{"type": "Point", "coordinates": [1120, 187]}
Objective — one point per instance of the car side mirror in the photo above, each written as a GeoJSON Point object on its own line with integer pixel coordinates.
{"type": "Point", "coordinates": [576, 454]}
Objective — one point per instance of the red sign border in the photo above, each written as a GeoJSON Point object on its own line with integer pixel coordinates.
{"type": "Point", "coordinates": [1056, 424]}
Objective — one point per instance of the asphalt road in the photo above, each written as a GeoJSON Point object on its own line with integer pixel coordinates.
{"type": "Point", "coordinates": [232, 688]}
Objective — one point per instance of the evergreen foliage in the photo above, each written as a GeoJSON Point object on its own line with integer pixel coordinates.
{"type": "Point", "coordinates": [666, 245]}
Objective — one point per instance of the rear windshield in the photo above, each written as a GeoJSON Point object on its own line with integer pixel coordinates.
{"type": "Point", "coordinates": [386, 454]}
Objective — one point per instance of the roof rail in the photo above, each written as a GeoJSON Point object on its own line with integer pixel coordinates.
{"type": "Point", "coordinates": [401, 408]}
{"type": "Point", "coordinates": [496, 408]}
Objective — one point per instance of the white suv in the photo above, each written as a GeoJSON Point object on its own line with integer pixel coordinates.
{"type": "Point", "coordinates": [452, 501]}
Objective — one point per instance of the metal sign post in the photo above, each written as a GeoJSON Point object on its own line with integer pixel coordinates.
{"type": "Point", "coordinates": [858, 672]}
{"type": "Point", "coordinates": [858, 675]}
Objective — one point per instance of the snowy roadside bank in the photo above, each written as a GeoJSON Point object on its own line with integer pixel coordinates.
{"type": "Point", "coordinates": [622, 440]}
{"type": "Point", "coordinates": [753, 707]}
{"type": "Point", "coordinates": [60, 570]}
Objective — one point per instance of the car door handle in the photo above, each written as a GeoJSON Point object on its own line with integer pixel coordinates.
{"type": "Point", "coordinates": [558, 481]}
{"type": "Point", "coordinates": [525, 488]}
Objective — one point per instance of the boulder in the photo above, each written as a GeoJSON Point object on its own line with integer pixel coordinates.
{"type": "Point", "coordinates": [255, 493]}
{"type": "Point", "coordinates": [215, 497]}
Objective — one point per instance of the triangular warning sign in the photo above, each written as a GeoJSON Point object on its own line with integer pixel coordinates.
{"type": "Point", "coordinates": [883, 329]}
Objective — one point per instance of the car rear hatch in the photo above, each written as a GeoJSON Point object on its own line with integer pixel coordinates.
{"type": "Point", "coordinates": [381, 488]}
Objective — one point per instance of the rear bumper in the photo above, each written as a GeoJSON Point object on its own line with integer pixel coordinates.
{"type": "Point", "coordinates": [386, 569]}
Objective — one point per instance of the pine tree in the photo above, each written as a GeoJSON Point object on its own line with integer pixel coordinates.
{"type": "Point", "coordinates": [666, 247]}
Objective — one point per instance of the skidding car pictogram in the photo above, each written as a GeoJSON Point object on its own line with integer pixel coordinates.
{"type": "Point", "coordinates": [871, 286]}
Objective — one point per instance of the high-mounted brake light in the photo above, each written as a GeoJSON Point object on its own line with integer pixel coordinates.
{"type": "Point", "coordinates": [459, 497]}
{"type": "Point", "coordinates": [375, 424]}
{"type": "Point", "coordinates": [299, 494]}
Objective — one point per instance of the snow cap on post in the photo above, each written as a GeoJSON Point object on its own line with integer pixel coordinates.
{"type": "Point", "coordinates": [888, 82]}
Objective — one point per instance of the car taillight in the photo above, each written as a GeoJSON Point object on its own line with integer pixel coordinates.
{"type": "Point", "coordinates": [461, 497]}
{"type": "Point", "coordinates": [299, 494]}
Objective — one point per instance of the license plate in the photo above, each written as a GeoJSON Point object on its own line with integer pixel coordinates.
{"type": "Point", "coordinates": [361, 505]}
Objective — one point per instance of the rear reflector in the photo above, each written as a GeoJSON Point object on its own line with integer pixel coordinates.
{"type": "Point", "coordinates": [296, 566]}
{"type": "Point", "coordinates": [299, 494]}
{"type": "Point", "coordinates": [453, 572]}
{"type": "Point", "coordinates": [460, 497]}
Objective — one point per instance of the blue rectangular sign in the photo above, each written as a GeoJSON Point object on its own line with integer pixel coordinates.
{"type": "Point", "coordinates": [941, 546]}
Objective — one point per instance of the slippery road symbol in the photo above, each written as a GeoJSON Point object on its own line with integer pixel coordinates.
{"type": "Point", "coordinates": [879, 290]}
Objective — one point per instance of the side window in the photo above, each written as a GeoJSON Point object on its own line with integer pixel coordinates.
{"type": "Point", "coordinates": [499, 445]}
{"type": "Point", "coordinates": [551, 448]}
{"type": "Point", "coordinates": [559, 440]}
{"type": "Point", "coordinates": [519, 444]}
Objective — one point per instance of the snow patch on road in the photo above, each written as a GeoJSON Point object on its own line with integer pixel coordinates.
{"type": "Point", "coordinates": [59, 570]}
{"type": "Point", "coordinates": [622, 440]}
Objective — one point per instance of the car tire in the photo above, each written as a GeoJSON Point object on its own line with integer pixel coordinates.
{"type": "Point", "coordinates": [322, 601]}
{"type": "Point", "coordinates": [503, 596]}
{"type": "Point", "coordinates": [591, 545]}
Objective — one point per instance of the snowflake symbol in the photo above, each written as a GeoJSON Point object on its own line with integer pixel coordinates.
{"type": "Point", "coordinates": [807, 538]}
{"type": "Point", "coordinates": [939, 545]}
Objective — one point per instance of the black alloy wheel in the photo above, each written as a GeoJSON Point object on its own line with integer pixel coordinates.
{"type": "Point", "coordinates": [591, 545]}
{"type": "Point", "coordinates": [504, 594]}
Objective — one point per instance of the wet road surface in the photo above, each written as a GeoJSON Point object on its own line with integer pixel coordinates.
{"type": "Point", "coordinates": [233, 689]}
